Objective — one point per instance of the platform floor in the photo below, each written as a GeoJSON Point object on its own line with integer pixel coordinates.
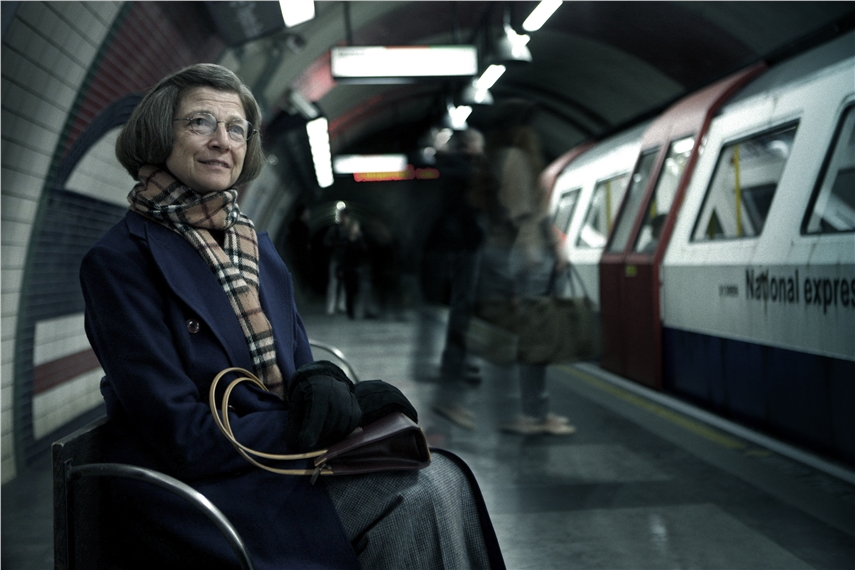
{"type": "Point", "coordinates": [646, 482]}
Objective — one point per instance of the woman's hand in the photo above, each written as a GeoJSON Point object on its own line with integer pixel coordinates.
{"type": "Point", "coordinates": [322, 407]}
{"type": "Point", "coordinates": [378, 398]}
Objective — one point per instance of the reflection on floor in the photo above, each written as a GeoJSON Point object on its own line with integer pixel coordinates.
{"type": "Point", "coordinates": [640, 485]}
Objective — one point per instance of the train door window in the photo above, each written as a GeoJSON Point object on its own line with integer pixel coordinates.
{"type": "Point", "coordinates": [566, 207]}
{"type": "Point", "coordinates": [600, 216]}
{"type": "Point", "coordinates": [832, 206]}
{"type": "Point", "coordinates": [663, 195]}
{"type": "Point", "coordinates": [743, 186]}
{"type": "Point", "coordinates": [633, 200]}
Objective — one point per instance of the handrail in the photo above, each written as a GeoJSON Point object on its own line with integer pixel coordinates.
{"type": "Point", "coordinates": [181, 489]}
{"type": "Point", "coordinates": [338, 354]}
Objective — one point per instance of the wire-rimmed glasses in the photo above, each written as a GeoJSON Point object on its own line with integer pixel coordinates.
{"type": "Point", "coordinates": [205, 124]}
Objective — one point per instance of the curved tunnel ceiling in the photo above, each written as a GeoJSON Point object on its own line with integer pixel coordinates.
{"type": "Point", "coordinates": [596, 66]}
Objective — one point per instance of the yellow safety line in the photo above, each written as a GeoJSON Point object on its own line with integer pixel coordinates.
{"type": "Point", "coordinates": [661, 411]}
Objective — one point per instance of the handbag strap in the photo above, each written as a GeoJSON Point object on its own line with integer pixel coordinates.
{"type": "Point", "coordinates": [221, 419]}
{"type": "Point", "coordinates": [571, 271]}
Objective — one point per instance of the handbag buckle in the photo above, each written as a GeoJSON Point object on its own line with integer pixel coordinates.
{"type": "Point", "coordinates": [317, 472]}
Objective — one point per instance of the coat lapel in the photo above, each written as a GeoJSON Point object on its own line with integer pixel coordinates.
{"type": "Point", "coordinates": [193, 282]}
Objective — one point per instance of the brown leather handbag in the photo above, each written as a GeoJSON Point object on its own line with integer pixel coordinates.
{"type": "Point", "coordinates": [392, 443]}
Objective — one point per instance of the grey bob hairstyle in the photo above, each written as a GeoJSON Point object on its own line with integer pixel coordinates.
{"type": "Point", "coordinates": [147, 137]}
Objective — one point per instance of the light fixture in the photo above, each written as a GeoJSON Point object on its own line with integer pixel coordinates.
{"type": "Point", "coordinates": [490, 76]}
{"type": "Point", "coordinates": [397, 64]}
{"type": "Point", "coordinates": [361, 163]}
{"type": "Point", "coordinates": [456, 116]}
{"type": "Point", "coordinates": [319, 143]}
{"type": "Point", "coordinates": [512, 47]}
{"type": "Point", "coordinates": [540, 14]}
{"type": "Point", "coordinates": [295, 12]}
{"type": "Point", "coordinates": [473, 94]}
{"type": "Point", "coordinates": [303, 105]}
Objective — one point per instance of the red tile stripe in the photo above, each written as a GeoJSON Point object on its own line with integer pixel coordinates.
{"type": "Point", "coordinates": [56, 372]}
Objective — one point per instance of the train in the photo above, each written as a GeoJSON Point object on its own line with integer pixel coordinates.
{"type": "Point", "coordinates": [717, 242]}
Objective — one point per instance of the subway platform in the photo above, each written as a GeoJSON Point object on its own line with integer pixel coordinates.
{"type": "Point", "coordinates": [646, 482]}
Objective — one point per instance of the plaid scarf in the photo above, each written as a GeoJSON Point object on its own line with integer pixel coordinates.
{"type": "Point", "coordinates": [162, 198]}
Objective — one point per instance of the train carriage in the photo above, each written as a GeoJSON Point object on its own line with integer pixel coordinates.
{"type": "Point", "coordinates": [758, 281]}
{"type": "Point", "coordinates": [586, 196]}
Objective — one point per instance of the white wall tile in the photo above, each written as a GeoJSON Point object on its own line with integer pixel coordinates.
{"type": "Point", "coordinates": [58, 338]}
{"type": "Point", "coordinates": [56, 407]}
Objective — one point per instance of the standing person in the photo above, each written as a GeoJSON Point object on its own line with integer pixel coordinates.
{"type": "Point", "coordinates": [300, 249]}
{"type": "Point", "coordinates": [353, 250]}
{"type": "Point", "coordinates": [336, 240]}
{"type": "Point", "coordinates": [182, 288]}
{"type": "Point", "coordinates": [519, 256]}
{"type": "Point", "coordinates": [455, 241]}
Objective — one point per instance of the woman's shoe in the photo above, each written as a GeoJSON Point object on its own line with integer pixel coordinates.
{"type": "Point", "coordinates": [527, 425]}
{"type": "Point", "coordinates": [456, 414]}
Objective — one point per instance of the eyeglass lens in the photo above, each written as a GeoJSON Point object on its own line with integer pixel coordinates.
{"type": "Point", "coordinates": [205, 124]}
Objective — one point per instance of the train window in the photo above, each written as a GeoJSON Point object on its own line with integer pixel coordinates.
{"type": "Point", "coordinates": [600, 216]}
{"type": "Point", "coordinates": [566, 207]}
{"type": "Point", "coordinates": [832, 206]}
{"type": "Point", "coordinates": [743, 186]}
{"type": "Point", "coordinates": [663, 195]}
{"type": "Point", "coordinates": [633, 200]}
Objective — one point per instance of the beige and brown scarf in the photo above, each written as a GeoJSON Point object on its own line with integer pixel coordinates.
{"type": "Point", "coordinates": [160, 197]}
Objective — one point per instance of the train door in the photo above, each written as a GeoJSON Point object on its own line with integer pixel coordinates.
{"type": "Point", "coordinates": [629, 268]}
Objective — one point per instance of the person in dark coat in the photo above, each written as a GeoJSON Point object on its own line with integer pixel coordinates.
{"type": "Point", "coordinates": [454, 244]}
{"type": "Point", "coordinates": [184, 287]}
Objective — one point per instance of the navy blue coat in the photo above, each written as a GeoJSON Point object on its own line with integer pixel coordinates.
{"type": "Point", "coordinates": [162, 328]}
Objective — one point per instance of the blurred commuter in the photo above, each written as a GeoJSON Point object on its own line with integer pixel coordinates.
{"type": "Point", "coordinates": [351, 266]}
{"type": "Point", "coordinates": [454, 244]}
{"type": "Point", "coordinates": [182, 288]}
{"type": "Point", "coordinates": [299, 246]}
{"type": "Point", "coordinates": [519, 257]}
{"type": "Point", "coordinates": [336, 240]}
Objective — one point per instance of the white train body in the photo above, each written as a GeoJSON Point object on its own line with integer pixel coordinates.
{"type": "Point", "coordinates": [756, 285]}
{"type": "Point", "coordinates": [781, 287]}
{"type": "Point", "coordinates": [586, 197]}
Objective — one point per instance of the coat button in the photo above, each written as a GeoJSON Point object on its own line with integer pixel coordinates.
{"type": "Point", "coordinates": [193, 326]}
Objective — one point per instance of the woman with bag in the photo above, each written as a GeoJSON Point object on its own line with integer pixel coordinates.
{"type": "Point", "coordinates": [182, 288]}
{"type": "Point", "coordinates": [518, 258]}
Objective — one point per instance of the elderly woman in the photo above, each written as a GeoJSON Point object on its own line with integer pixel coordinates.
{"type": "Point", "coordinates": [184, 287]}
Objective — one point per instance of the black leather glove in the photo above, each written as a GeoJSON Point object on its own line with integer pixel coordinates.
{"type": "Point", "coordinates": [322, 407]}
{"type": "Point", "coordinates": [378, 398]}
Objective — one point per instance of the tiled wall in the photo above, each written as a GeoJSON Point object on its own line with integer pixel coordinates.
{"type": "Point", "coordinates": [71, 74]}
{"type": "Point", "coordinates": [47, 51]}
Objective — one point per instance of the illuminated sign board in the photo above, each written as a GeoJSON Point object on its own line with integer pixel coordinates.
{"type": "Point", "coordinates": [410, 173]}
{"type": "Point", "coordinates": [359, 163]}
{"type": "Point", "coordinates": [402, 63]}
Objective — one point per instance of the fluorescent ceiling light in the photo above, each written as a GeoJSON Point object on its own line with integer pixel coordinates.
{"type": "Point", "coordinates": [473, 95]}
{"type": "Point", "coordinates": [403, 61]}
{"type": "Point", "coordinates": [319, 142]}
{"type": "Point", "coordinates": [489, 77]}
{"type": "Point", "coordinates": [457, 116]}
{"type": "Point", "coordinates": [540, 14]}
{"type": "Point", "coordinates": [359, 163]}
{"type": "Point", "coordinates": [296, 12]}
{"type": "Point", "coordinates": [303, 105]}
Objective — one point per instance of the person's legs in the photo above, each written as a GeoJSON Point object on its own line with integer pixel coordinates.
{"type": "Point", "coordinates": [535, 400]}
{"type": "Point", "coordinates": [332, 288]}
{"type": "Point", "coordinates": [422, 519]}
{"type": "Point", "coordinates": [536, 418]}
{"type": "Point", "coordinates": [464, 269]}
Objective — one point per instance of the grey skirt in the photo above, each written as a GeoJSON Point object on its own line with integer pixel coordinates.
{"type": "Point", "coordinates": [427, 519]}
